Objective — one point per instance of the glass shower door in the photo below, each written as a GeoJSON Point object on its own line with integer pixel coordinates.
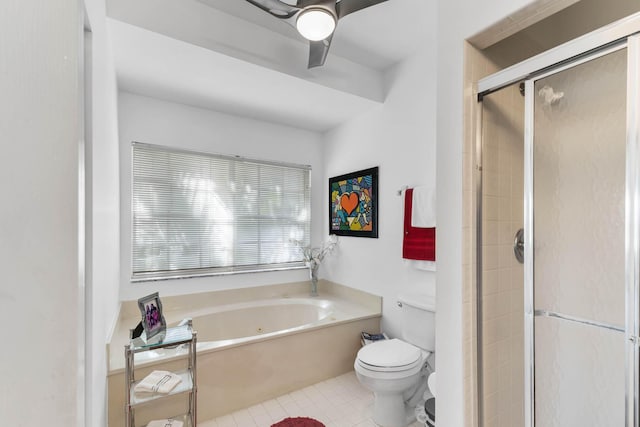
{"type": "Point", "coordinates": [576, 266]}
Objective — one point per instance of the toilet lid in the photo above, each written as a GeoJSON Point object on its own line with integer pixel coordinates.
{"type": "Point", "coordinates": [387, 355]}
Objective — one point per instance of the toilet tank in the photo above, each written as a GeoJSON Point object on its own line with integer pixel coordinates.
{"type": "Point", "coordinates": [418, 319]}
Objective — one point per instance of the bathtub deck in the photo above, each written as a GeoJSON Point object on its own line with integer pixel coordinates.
{"type": "Point", "coordinates": [338, 402]}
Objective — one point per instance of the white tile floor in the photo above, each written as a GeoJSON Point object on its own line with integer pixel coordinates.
{"type": "Point", "coordinates": [337, 402]}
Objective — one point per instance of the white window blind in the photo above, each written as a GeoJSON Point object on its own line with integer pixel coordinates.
{"type": "Point", "coordinates": [200, 214]}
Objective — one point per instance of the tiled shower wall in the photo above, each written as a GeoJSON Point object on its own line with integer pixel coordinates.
{"type": "Point", "coordinates": [502, 275]}
{"type": "Point", "coordinates": [502, 323]}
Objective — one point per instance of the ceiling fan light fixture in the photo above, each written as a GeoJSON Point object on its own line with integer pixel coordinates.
{"type": "Point", "coordinates": [315, 24]}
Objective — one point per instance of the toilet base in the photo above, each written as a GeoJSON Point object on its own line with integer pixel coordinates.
{"type": "Point", "coordinates": [390, 410]}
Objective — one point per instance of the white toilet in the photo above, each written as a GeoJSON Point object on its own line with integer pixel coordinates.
{"type": "Point", "coordinates": [396, 370]}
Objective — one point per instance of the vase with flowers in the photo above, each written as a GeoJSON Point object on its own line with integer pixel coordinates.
{"type": "Point", "coordinates": [313, 257]}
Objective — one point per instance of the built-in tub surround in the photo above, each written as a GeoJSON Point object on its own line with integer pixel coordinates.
{"type": "Point", "coordinates": [254, 344]}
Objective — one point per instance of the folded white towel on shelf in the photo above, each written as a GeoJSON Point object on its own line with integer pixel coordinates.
{"type": "Point", "coordinates": [423, 209]}
{"type": "Point", "coordinates": [165, 423]}
{"type": "Point", "coordinates": [158, 382]}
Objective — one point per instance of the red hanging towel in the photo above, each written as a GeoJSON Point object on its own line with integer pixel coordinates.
{"type": "Point", "coordinates": [418, 243]}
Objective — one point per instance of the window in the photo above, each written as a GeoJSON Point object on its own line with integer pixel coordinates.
{"type": "Point", "coordinates": [200, 214]}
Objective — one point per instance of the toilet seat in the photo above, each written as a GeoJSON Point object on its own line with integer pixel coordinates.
{"type": "Point", "coordinates": [390, 356]}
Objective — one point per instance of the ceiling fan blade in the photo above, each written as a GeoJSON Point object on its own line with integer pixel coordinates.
{"type": "Point", "coordinates": [318, 51]}
{"type": "Point", "coordinates": [276, 8]}
{"type": "Point", "coordinates": [345, 7]}
{"type": "Point", "coordinates": [309, 3]}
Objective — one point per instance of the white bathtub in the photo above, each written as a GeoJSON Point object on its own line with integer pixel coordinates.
{"type": "Point", "coordinates": [221, 327]}
{"type": "Point", "coordinates": [253, 350]}
{"type": "Point", "coordinates": [262, 318]}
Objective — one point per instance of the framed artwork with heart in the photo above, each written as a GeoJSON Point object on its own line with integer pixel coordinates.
{"type": "Point", "coordinates": [353, 204]}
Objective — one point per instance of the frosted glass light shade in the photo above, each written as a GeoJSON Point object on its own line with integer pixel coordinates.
{"type": "Point", "coordinates": [315, 24]}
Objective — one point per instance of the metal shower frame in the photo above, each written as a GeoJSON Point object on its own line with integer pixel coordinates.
{"type": "Point", "coordinates": [621, 34]}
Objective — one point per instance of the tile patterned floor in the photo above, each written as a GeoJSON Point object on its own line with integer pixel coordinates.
{"type": "Point", "coordinates": [337, 402]}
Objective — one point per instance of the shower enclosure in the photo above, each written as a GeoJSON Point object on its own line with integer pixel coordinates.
{"type": "Point", "coordinates": [558, 219]}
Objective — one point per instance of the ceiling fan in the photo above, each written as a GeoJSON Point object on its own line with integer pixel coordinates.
{"type": "Point", "coordinates": [315, 20]}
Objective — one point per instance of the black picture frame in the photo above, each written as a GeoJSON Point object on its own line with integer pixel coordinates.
{"type": "Point", "coordinates": [152, 318]}
{"type": "Point", "coordinates": [353, 204]}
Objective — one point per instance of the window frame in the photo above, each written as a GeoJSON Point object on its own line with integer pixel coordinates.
{"type": "Point", "coordinates": [186, 273]}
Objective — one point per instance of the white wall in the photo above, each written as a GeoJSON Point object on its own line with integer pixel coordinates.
{"type": "Point", "coordinates": [41, 292]}
{"type": "Point", "coordinates": [457, 20]}
{"type": "Point", "coordinates": [58, 358]}
{"type": "Point", "coordinates": [103, 215]}
{"type": "Point", "coordinates": [153, 121]}
{"type": "Point", "coordinates": [400, 139]}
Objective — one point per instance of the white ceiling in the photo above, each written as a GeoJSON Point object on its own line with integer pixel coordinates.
{"type": "Point", "coordinates": [181, 72]}
{"type": "Point", "coordinates": [230, 56]}
{"type": "Point", "coordinates": [378, 36]}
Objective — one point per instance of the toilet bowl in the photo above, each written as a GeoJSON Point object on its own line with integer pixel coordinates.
{"type": "Point", "coordinates": [395, 371]}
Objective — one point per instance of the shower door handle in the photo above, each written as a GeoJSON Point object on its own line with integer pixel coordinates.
{"type": "Point", "coordinates": [518, 246]}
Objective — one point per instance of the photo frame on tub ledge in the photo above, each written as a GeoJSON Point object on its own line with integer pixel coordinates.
{"type": "Point", "coordinates": [353, 204]}
{"type": "Point", "coordinates": [153, 321]}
